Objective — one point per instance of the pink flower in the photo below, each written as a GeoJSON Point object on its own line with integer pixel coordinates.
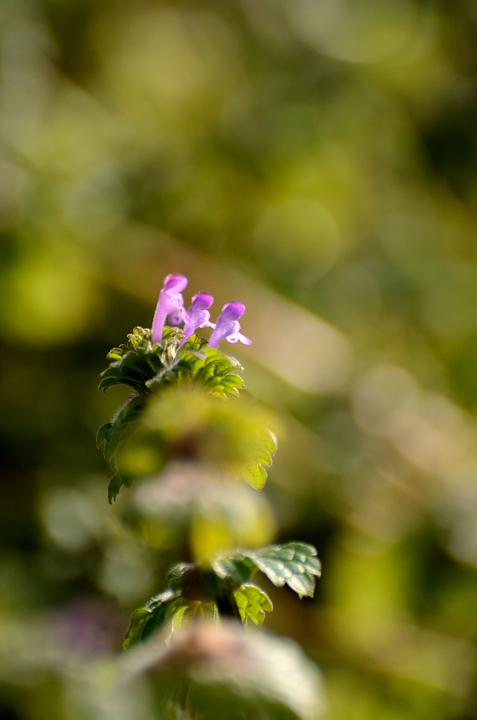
{"type": "Point", "coordinates": [198, 315]}
{"type": "Point", "coordinates": [227, 326]}
{"type": "Point", "coordinates": [170, 303]}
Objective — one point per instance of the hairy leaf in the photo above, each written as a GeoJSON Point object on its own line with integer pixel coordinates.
{"type": "Point", "coordinates": [110, 435]}
{"type": "Point", "coordinates": [295, 564]}
{"type": "Point", "coordinates": [145, 366]}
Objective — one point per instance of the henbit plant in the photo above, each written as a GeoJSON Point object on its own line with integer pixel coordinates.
{"type": "Point", "coordinates": [184, 449]}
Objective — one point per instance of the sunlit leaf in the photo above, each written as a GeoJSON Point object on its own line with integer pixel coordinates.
{"type": "Point", "coordinates": [252, 603]}
{"type": "Point", "coordinates": [295, 564]}
{"type": "Point", "coordinates": [255, 475]}
{"type": "Point", "coordinates": [239, 568]}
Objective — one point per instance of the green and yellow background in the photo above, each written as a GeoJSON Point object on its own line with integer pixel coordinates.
{"type": "Point", "coordinates": [316, 160]}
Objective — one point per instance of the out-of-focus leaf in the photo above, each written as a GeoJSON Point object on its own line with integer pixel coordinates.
{"type": "Point", "coordinates": [255, 475]}
{"type": "Point", "coordinates": [149, 618]}
{"type": "Point", "coordinates": [238, 568]}
{"type": "Point", "coordinates": [263, 448]}
{"type": "Point", "coordinates": [110, 435]}
{"type": "Point", "coordinates": [227, 673]}
{"type": "Point", "coordinates": [147, 367]}
{"type": "Point", "coordinates": [252, 603]}
{"type": "Point", "coordinates": [213, 370]}
{"type": "Point", "coordinates": [114, 486]}
{"type": "Point", "coordinates": [139, 620]}
{"type": "Point", "coordinates": [195, 609]}
{"type": "Point", "coordinates": [295, 564]}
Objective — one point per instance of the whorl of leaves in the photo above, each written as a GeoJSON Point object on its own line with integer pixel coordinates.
{"type": "Point", "coordinates": [225, 589]}
{"type": "Point", "coordinates": [146, 367]}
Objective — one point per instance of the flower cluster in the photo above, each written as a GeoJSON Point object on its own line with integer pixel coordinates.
{"type": "Point", "coordinates": [170, 306]}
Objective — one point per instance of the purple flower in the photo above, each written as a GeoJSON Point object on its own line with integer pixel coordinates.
{"type": "Point", "coordinates": [198, 315]}
{"type": "Point", "coordinates": [227, 326]}
{"type": "Point", "coordinates": [170, 303]}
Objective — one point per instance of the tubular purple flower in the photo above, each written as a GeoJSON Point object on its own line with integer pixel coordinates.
{"type": "Point", "coordinates": [170, 303]}
{"type": "Point", "coordinates": [227, 326]}
{"type": "Point", "coordinates": [198, 315]}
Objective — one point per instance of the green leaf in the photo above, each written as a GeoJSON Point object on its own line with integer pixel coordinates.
{"type": "Point", "coordinates": [110, 435]}
{"type": "Point", "coordinates": [102, 435]}
{"type": "Point", "coordinates": [255, 475]}
{"type": "Point", "coordinates": [246, 675]}
{"type": "Point", "coordinates": [177, 575]}
{"type": "Point", "coordinates": [295, 564]}
{"type": "Point", "coordinates": [270, 442]}
{"type": "Point", "coordinates": [213, 370]}
{"type": "Point", "coordinates": [264, 447]}
{"type": "Point", "coordinates": [195, 609]}
{"type": "Point", "coordinates": [238, 568]}
{"type": "Point", "coordinates": [114, 486]}
{"type": "Point", "coordinates": [252, 603]}
{"type": "Point", "coordinates": [145, 366]}
{"type": "Point", "coordinates": [148, 619]}
{"type": "Point", "coordinates": [139, 620]}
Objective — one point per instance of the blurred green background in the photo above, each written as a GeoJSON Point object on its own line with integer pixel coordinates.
{"type": "Point", "coordinates": [314, 159]}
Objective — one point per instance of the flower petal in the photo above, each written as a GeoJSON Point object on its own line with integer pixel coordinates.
{"type": "Point", "coordinates": [197, 315]}
{"type": "Point", "coordinates": [170, 303]}
{"type": "Point", "coordinates": [227, 326]}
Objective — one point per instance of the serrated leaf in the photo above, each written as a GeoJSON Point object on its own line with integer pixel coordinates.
{"type": "Point", "coordinates": [103, 434]}
{"type": "Point", "coordinates": [264, 446]}
{"type": "Point", "coordinates": [117, 353]}
{"type": "Point", "coordinates": [145, 366]}
{"type": "Point", "coordinates": [111, 434]}
{"type": "Point", "coordinates": [270, 441]}
{"type": "Point", "coordinates": [195, 609]}
{"type": "Point", "coordinates": [233, 380]}
{"type": "Point", "coordinates": [238, 568]}
{"type": "Point", "coordinates": [262, 456]}
{"type": "Point", "coordinates": [255, 475]}
{"type": "Point", "coordinates": [109, 381]}
{"type": "Point", "coordinates": [295, 564]}
{"type": "Point", "coordinates": [252, 603]}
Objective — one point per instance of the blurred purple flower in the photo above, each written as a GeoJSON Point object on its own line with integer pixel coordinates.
{"type": "Point", "coordinates": [170, 303]}
{"type": "Point", "coordinates": [85, 627]}
{"type": "Point", "coordinates": [198, 315]}
{"type": "Point", "coordinates": [227, 326]}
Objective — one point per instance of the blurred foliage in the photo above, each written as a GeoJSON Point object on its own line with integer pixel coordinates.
{"type": "Point", "coordinates": [224, 589]}
{"type": "Point", "coordinates": [315, 160]}
{"type": "Point", "coordinates": [148, 430]}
